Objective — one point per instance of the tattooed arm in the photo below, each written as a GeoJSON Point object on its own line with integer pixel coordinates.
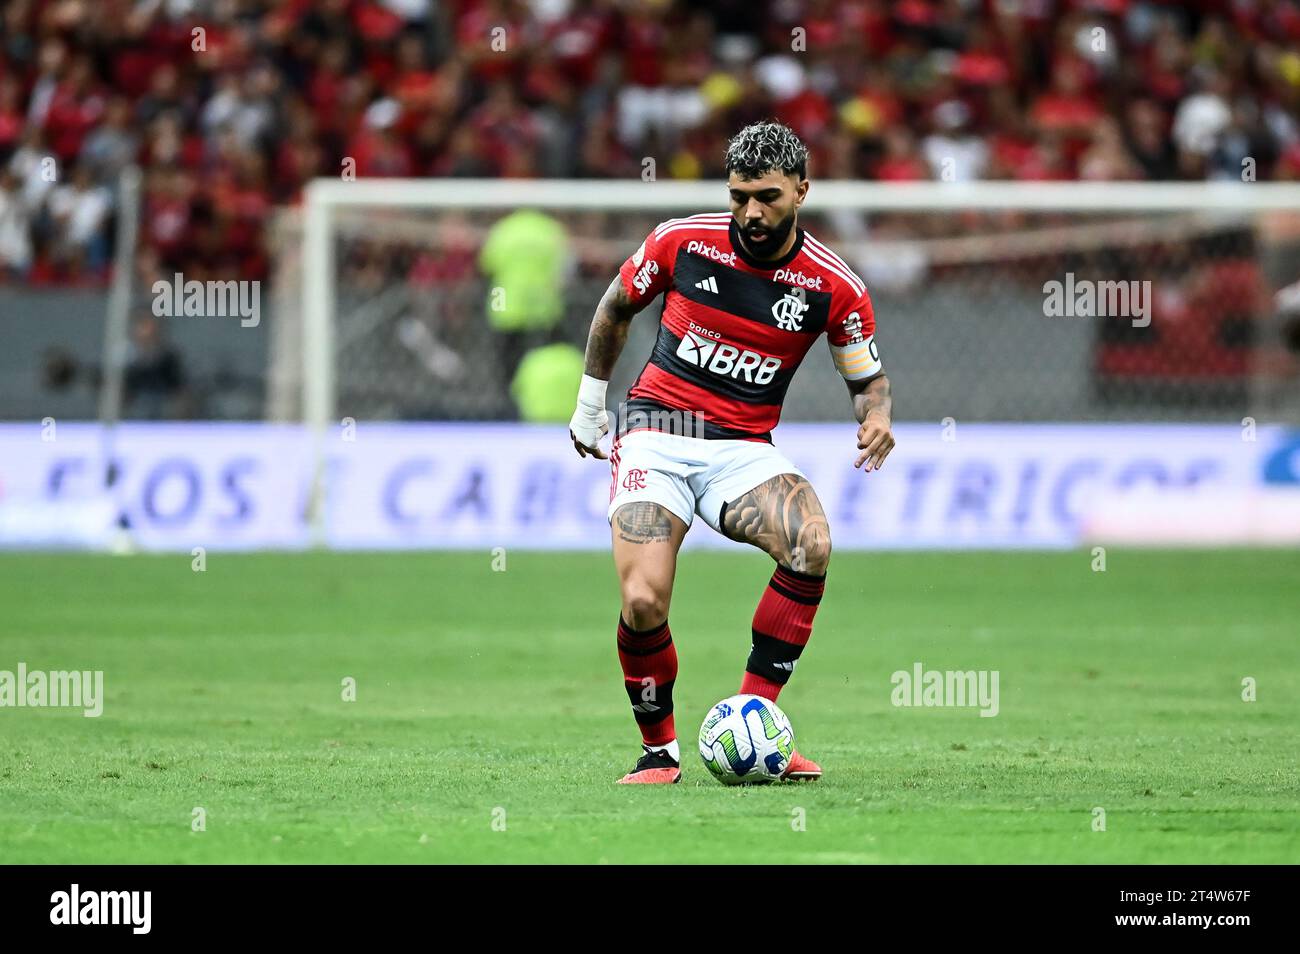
{"type": "Point", "coordinates": [604, 344]}
{"type": "Point", "coordinates": [873, 406]}
{"type": "Point", "coordinates": [609, 329]}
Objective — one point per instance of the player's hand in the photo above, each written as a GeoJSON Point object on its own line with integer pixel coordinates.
{"type": "Point", "coordinates": [876, 440]}
{"type": "Point", "coordinates": [586, 428]}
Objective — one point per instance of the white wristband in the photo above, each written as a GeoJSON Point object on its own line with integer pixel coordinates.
{"type": "Point", "coordinates": [591, 393]}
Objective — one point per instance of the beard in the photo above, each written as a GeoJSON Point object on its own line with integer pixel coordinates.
{"type": "Point", "coordinates": [772, 240]}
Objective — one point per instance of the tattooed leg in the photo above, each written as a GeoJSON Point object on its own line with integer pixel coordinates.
{"type": "Point", "coordinates": [783, 518]}
{"type": "Point", "coordinates": [642, 523]}
{"type": "Point", "coordinates": [646, 540]}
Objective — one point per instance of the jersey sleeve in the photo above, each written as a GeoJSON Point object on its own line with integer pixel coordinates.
{"type": "Point", "coordinates": [649, 270]}
{"type": "Point", "coordinates": [851, 335]}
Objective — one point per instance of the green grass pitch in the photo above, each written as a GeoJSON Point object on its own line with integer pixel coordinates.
{"type": "Point", "coordinates": [490, 720]}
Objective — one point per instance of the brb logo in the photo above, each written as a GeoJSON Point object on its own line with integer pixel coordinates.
{"type": "Point", "coordinates": [643, 278]}
{"type": "Point", "coordinates": [788, 312]}
{"type": "Point", "coordinates": [634, 479]}
{"type": "Point", "coordinates": [697, 349]}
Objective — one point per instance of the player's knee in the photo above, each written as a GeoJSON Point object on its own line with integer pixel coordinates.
{"type": "Point", "coordinates": [812, 554]}
{"type": "Point", "coordinates": [644, 606]}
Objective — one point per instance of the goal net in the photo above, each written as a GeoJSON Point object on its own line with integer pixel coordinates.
{"type": "Point", "coordinates": [400, 300]}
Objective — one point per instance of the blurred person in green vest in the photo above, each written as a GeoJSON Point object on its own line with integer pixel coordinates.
{"type": "Point", "coordinates": [547, 378]}
{"type": "Point", "coordinates": [525, 259]}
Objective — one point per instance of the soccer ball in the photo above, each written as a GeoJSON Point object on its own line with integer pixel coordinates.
{"type": "Point", "coordinates": [746, 739]}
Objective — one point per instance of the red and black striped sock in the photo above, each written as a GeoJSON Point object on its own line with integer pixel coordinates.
{"type": "Point", "coordinates": [782, 625]}
{"type": "Point", "coordinates": [649, 661]}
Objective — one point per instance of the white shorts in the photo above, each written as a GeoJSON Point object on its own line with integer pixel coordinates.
{"type": "Point", "coordinates": [690, 475]}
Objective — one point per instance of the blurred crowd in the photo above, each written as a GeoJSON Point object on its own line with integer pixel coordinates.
{"type": "Point", "coordinates": [230, 106]}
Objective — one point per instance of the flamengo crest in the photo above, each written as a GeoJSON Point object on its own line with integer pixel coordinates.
{"type": "Point", "coordinates": [788, 311]}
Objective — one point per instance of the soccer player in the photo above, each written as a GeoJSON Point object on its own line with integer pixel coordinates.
{"type": "Point", "coordinates": [746, 293]}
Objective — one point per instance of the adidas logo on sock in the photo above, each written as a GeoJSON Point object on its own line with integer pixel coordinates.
{"type": "Point", "coordinates": [709, 284]}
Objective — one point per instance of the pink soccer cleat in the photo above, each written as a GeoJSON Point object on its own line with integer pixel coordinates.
{"type": "Point", "coordinates": [801, 769]}
{"type": "Point", "coordinates": [654, 768]}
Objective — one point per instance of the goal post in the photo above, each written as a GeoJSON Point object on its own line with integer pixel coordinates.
{"type": "Point", "coordinates": [388, 278]}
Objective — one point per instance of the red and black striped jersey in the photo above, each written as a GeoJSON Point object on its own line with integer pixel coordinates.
{"type": "Point", "coordinates": [734, 328]}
